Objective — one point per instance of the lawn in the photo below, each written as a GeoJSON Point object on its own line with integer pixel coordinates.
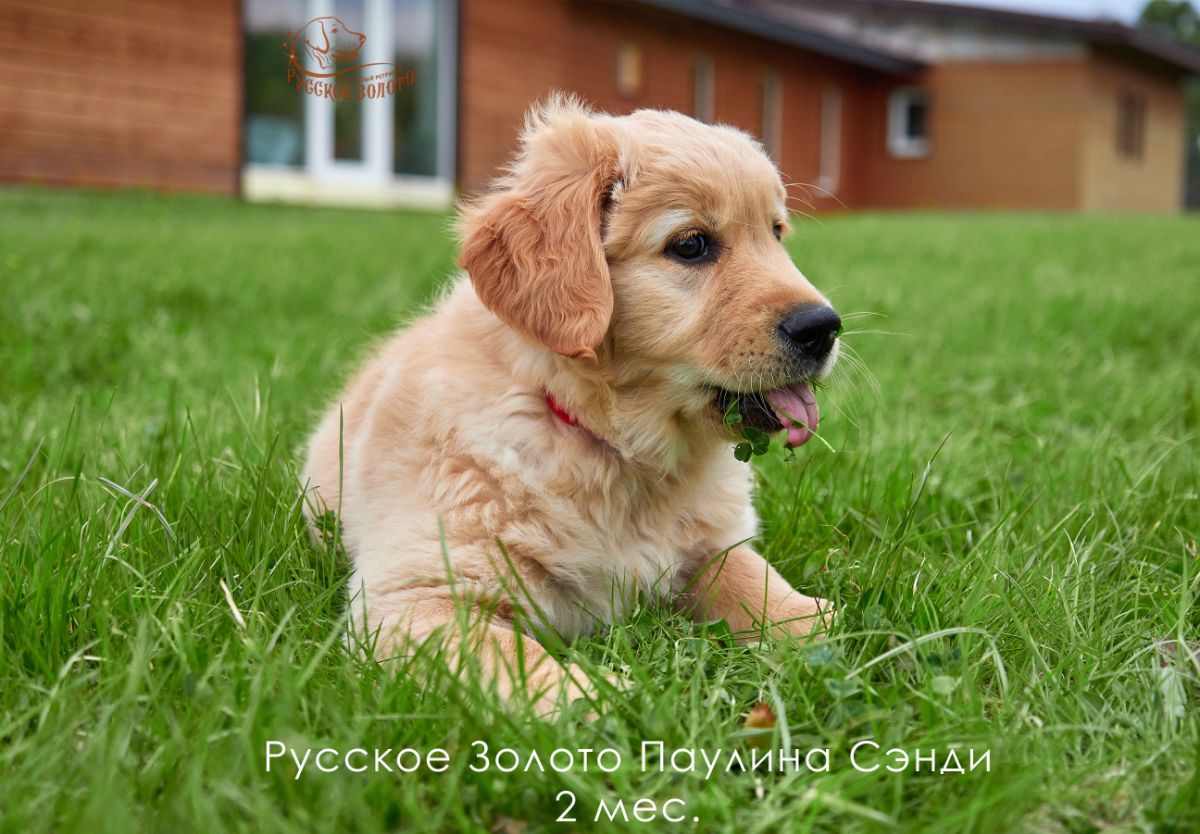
{"type": "Point", "coordinates": [1007, 517]}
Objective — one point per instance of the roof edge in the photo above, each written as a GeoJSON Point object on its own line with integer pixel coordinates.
{"type": "Point", "coordinates": [1168, 50]}
{"type": "Point", "coordinates": [734, 18]}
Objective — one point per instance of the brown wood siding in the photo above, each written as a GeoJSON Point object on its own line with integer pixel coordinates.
{"type": "Point", "coordinates": [670, 45]}
{"type": "Point", "coordinates": [510, 53]}
{"type": "Point", "coordinates": [513, 53]}
{"type": "Point", "coordinates": [1153, 181]}
{"type": "Point", "coordinates": [121, 93]}
{"type": "Point", "coordinates": [1003, 135]}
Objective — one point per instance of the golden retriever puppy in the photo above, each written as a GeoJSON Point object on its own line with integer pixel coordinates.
{"type": "Point", "coordinates": [548, 439]}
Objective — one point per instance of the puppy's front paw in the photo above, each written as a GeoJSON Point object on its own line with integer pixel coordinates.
{"type": "Point", "coordinates": [800, 616]}
{"type": "Point", "coordinates": [571, 684]}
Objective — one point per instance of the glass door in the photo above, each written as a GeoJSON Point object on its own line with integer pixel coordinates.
{"type": "Point", "coordinates": [350, 101]}
{"type": "Point", "coordinates": [348, 137]}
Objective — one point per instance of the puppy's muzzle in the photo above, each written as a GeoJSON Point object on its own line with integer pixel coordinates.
{"type": "Point", "coordinates": [809, 331]}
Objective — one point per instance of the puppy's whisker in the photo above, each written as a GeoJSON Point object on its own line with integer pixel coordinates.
{"type": "Point", "coordinates": [828, 194]}
{"type": "Point", "coordinates": [876, 333]}
{"type": "Point", "coordinates": [856, 367]}
{"type": "Point", "coordinates": [808, 216]}
{"type": "Point", "coordinates": [804, 201]}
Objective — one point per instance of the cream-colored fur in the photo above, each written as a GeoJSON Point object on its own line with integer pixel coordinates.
{"type": "Point", "coordinates": [450, 447]}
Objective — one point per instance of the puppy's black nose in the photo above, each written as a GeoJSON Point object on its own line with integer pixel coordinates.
{"type": "Point", "coordinates": [812, 329]}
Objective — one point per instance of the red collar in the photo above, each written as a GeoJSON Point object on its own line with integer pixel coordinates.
{"type": "Point", "coordinates": [571, 420]}
{"type": "Point", "coordinates": [560, 412]}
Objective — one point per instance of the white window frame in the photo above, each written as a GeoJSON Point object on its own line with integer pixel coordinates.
{"type": "Point", "coordinates": [899, 143]}
{"type": "Point", "coordinates": [829, 176]}
{"type": "Point", "coordinates": [372, 180]}
{"type": "Point", "coordinates": [377, 129]}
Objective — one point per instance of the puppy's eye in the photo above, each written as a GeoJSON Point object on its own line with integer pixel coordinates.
{"type": "Point", "coordinates": [777, 230]}
{"type": "Point", "coordinates": [693, 248]}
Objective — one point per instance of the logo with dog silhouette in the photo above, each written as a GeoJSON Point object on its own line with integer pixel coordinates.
{"type": "Point", "coordinates": [323, 60]}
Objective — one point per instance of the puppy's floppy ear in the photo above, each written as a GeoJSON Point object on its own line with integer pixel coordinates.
{"type": "Point", "coordinates": [532, 246]}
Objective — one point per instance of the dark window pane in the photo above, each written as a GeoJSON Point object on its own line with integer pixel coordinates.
{"type": "Point", "coordinates": [915, 120]}
{"type": "Point", "coordinates": [1131, 125]}
{"type": "Point", "coordinates": [274, 127]}
{"type": "Point", "coordinates": [347, 112]}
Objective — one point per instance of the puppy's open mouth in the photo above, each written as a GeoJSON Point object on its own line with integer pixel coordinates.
{"type": "Point", "coordinates": [793, 408]}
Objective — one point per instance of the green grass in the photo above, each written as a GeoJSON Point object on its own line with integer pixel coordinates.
{"type": "Point", "coordinates": [1008, 524]}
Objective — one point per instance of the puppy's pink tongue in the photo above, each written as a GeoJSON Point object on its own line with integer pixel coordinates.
{"type": "Point", "coordinates": [795, 405]}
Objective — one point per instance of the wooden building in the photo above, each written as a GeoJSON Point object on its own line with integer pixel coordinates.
{"type": "Point", "coordinates": [864, 103]}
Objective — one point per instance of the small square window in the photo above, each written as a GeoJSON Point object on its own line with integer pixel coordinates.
{"type": "Point", "coordinates": [772, 115]}
{"type": "Point", "coordinates": [703, 90]}
{"type": "Point", "coordinates": [831, 140]}
{"type": "Point", "coordinates": [908, 123]}
{"type": "Point", "coordinates": [1131, 125]}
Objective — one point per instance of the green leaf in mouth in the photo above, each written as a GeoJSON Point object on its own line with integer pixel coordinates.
{"type": "Point", "coordinates": [754, 441]}
{"type": "Point", "coordinates": [733, 417]}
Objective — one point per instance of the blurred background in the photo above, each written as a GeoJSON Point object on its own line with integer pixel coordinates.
{"type": "Point", "coordinates": [1088, 105]}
